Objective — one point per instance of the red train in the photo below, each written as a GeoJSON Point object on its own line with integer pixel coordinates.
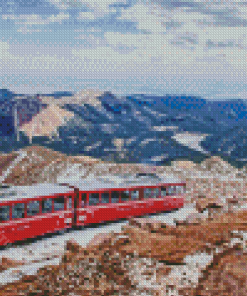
{"type": "Point", "coordinates": [24, 215]}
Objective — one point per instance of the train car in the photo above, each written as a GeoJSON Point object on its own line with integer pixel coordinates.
{"type": "Point", "coordinates": [101, 201]}
{"type": "Point", "coordinates": [31, 211]}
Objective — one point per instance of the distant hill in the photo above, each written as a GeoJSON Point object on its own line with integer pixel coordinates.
{"type": "Point", "coordinates": [136, 128]}
{"type": "Point", "coordinates": [46, 122]}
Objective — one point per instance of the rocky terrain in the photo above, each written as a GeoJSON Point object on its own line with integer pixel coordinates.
{"type": "Point", "coordinates": [200, 255]}
{"type": "Point", "coordinates": [37, 164]}
{"type": "Point", "coordinates": [203, 253]}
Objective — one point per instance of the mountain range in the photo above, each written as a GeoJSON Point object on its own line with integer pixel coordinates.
{"type": "Point", "coordinates": [136, 128]}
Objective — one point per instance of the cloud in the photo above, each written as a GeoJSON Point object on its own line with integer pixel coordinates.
{"type": "Point", "coordinates": [4, 49]}
{"type": "Point", "coordinates": [242, 95]}
{"type": "Point", "coordinates": [148, 18]}
{"type": "Point", "coordinates": [161, 66]}
{"type": "Point", "coordinates": [35, 19]}
{"type": "Point", "coordinates": [171, 41]}
{"type": "Point", "coordinates": [95, 8]}
{"type": "Point", "coordinates": [92, 41]}
{"type": "Point", "coordinates": [27, 30]}
{"type": "Point", "coordinates": [195, 33]}
{"type": "Point", "coordinates": [86, 15]}
{"type": "Point", "coordinates": [222, 13]}
{"type": "Point", "coordinates": [224, 44]}
{"type": "Point", "coordinates": [24, 58]}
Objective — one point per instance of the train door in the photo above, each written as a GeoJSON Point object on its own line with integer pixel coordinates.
{"type": "Point", "coordinates": [69, 211]}
{"type": "Point", "coordinates": [80, 206]}
{"type": "Point", "coordinates": [76, 205]}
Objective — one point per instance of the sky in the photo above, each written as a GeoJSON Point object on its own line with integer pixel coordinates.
{"type": "Point", "coordinates": [155, 47]}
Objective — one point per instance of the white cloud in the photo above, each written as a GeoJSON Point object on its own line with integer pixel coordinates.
{"type": "Point", "coordinates": [35, 19]}
{"type": "Point", "coordinates": [242, 12]}
{"type": "Point", "coordinates": [230, 95]}
{"type": "Point", "coordinates": [137, 41]}
{"type": "Point", "coordinates": [146, 17]}
{"type": "Point", "coordinates": [186, 45]}
{"type": "Point", "coordinates": [86, 15]}
{"type": "Point", "coordinates": [27, 59]}
{"type": "Point", "coordinates": [97, 8]}
{"type": "Point", "coordinates": [151, 56]}
{"type": "Point", "coordinates": [27, 30]}
{"type": "Point", "coordinates": [4, 49]}
{"type": "Point", "coordinates": [92, 41]}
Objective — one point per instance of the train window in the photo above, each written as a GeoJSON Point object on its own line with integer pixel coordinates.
{"type": "Point", "coordinates": [33, 208]}
{"type": "Point", "coordinates": [179, 189]}
{"type": "Point", "coordinates": [18, 211]}
{"type": "Point", "coordinates": [46, 205]}
{"type": "Point", "coordinates": [83, 200]}
{"type": "Point", "coordinates": [170, 190]}
{"type": "Point", "coordinates": [69, 202]}
{"type": "Point", "coordinates": [148, 193]}
{"type": "Point", "coordinates": [156, 192]}
{"type": "Point", "coordinates": [164, 191]}
{"type": "Point", "coordinates": [93, 199]}
{"type": "Point", "coordinates": [4, 213]}
{"type": "Point", "coordinates": [115, 197]}
{"type": "Point", "coordinates": [151, 192]}
{"type": "Point", "coordinates": [174, 190]}
{"type": "Point", "coordinates": [135, 195]}
{"type": "Point", "coordinates": [105, 197]}
{"type": "Point", "coordinates": [125, 195]}
{"type": "Point", "coordinates": [59, 203]}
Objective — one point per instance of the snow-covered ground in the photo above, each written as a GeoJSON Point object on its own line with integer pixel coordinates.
{"type": "Point", "coordinates": [190, 140]}
{"type": "Point", "coordinates": [49, 250]}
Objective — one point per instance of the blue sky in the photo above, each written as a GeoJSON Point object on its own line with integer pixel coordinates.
{"type": "Point", "coordinates": [125, 46]}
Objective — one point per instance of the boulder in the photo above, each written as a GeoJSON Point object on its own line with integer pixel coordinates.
{"type": "Point", "coordinates": [7, 263]}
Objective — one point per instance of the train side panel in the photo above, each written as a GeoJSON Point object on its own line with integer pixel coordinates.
{"type": "Point", "coordinates": [32, 227]}
{"type": "Point", "coordinates": [111, 212]}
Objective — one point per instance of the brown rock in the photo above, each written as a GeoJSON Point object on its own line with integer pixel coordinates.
{"type": "Point", "coordinates": [168, 248]}
{"type": "Point", "coordinates": [226, 275]}
{"type": "Point", "coordinates": [100, 238]}
{"type": "Point", "coordinates": [7, 263]}
{"type": "Point", "coordinates": [204, 203]}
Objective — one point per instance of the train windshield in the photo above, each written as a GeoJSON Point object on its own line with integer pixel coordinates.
{"type": "Point", "coordinates": [172, 190]}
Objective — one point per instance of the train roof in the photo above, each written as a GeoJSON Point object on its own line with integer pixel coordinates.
{"type": "Point", "coordinates": [44, 189]}
{"type": "Point", "coordinates": [92, 183]}
{"type": "Point", "coordinates": [120, 182]}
